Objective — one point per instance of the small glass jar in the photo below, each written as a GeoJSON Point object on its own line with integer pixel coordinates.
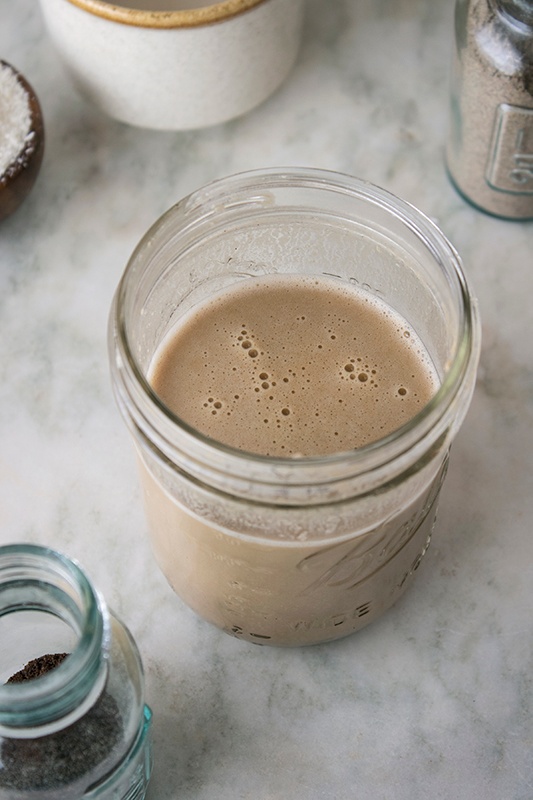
{"type": "Point", "coordinates": [80, 729]}
{"type": "Point", "coordinates": [490, 143]}
{"type": "Point", "coordinates": [301, 550]}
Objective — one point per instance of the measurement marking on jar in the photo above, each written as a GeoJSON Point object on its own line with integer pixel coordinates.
{"type": "Point", "coordinates": [354, 281]}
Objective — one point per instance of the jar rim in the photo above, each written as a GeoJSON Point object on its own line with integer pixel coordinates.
{"type": "Point", "coordinates": [179, 19]}
{"type": "Point", "coordinates": [194, 209]}
{"type": "Point", "coordinates": [27, 573]}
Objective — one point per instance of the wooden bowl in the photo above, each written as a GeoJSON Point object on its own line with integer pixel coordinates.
{"type": "Point", "coordinates": [20, 175]}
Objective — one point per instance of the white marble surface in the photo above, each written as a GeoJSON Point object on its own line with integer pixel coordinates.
{"type": "Point", "coordinates": [434, 700]}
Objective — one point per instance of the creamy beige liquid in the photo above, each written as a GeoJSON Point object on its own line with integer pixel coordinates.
{"type": "Point", "coordinates": [287, 366]}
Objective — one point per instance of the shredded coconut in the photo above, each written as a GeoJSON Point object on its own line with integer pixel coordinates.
{"type": "Point", "coordinates": [15, 118]}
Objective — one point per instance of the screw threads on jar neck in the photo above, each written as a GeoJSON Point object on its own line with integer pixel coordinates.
{"type": "Point", "coordinates": [517, 10]}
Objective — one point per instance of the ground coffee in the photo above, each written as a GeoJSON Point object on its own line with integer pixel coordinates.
{"type": "Point", "coordinates": [37, 667]}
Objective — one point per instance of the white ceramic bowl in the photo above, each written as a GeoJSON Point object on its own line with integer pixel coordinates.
{"type": "Point", "coordinates": [176, 64]}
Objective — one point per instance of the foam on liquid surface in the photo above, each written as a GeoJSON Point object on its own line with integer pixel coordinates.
{"type": "Point", "coordinates": [293, 365]}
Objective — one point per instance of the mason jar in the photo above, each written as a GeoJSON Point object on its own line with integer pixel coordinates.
{"type": "Point", "coordinates": [299, 550]}
{"type": "Point", "coordinates": [73, 721]}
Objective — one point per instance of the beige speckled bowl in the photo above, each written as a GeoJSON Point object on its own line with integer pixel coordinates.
{"type": "Point", "coordinates": [176, 64]}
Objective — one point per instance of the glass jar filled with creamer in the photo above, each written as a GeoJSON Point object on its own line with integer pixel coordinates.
{"type": "Point", "coordinates": [293, 352]}
{"type": "Point", "coordinates": [73, 721]}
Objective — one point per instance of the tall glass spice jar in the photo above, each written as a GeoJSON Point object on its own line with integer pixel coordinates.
{"type": "Point", "coordinates": [73, 721]}
{"type": "Point", "coordinates": [490, 145]}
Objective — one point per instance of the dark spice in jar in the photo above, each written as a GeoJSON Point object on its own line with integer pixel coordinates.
{"type": "Point", "coordinates": [59, 760]}
{"type": "Point", "coordinates": [37, 667]}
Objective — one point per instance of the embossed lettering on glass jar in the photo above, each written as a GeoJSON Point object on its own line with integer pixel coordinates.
{"type": "Point", "coordinates": [300, 550]}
